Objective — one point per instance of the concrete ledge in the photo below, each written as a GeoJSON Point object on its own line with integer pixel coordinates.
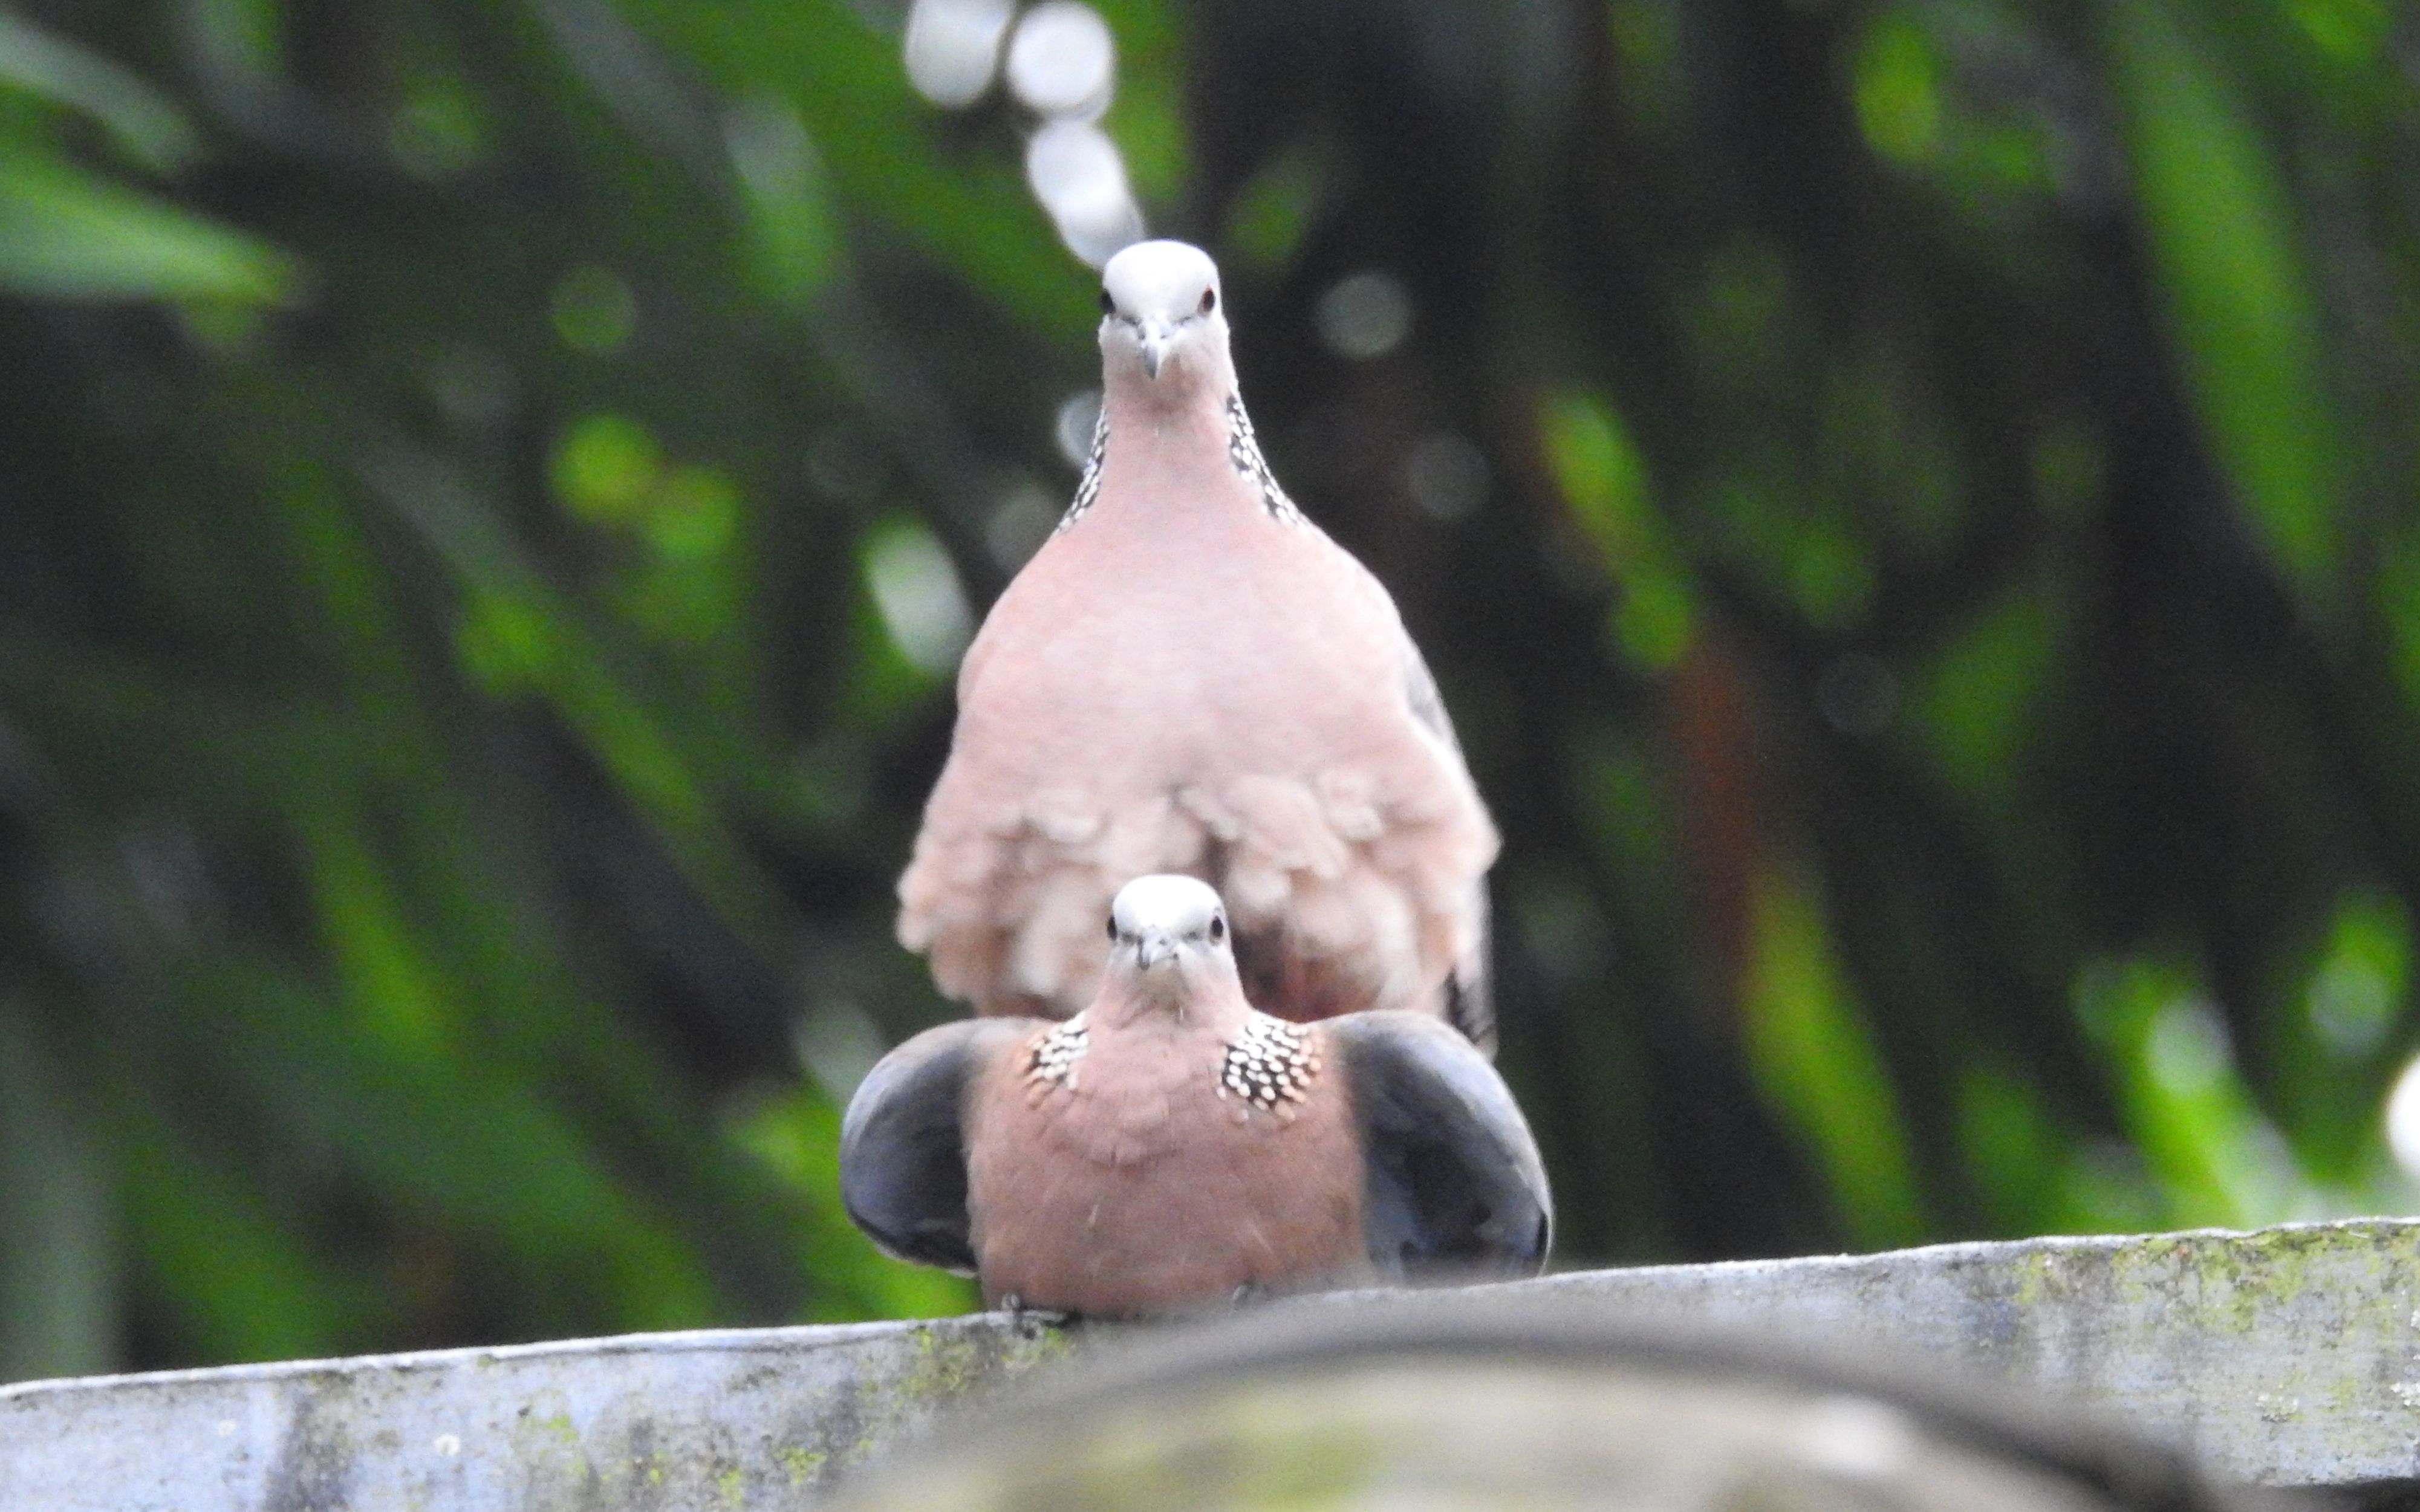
{"type": "Point", "coordinates": [2286, 1356]}
{"type": "Point", "coordinates": [2289, 1357]}
{"type": "Point", "coordinates": [721, 1419]}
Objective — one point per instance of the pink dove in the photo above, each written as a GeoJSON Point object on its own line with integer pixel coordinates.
{"type": "Point", "coordinates": [1191, 676]}
{"type": "Point", "coordinates": [1171, 1147]}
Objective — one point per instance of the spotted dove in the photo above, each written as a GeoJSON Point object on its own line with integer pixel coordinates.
{"type": "Point", "coordinates": [1171, 1145]}
{"type": "Point", "coordinates": [1191, 676]}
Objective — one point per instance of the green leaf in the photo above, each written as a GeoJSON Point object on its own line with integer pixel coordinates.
{"type": "Point", "coordinates": [796, 1137]}
{"type": "Point", "coordinates": [66, 234]}
{"type": "Point", "coordinates": [2215, 1159]}
{"type": "Point", "coordinates": [1815, 1056]}
{"type": "Point", "coordinates": [1268, 217]}
{"type": "Point", "coordinates": [874, 138]}
{"type": "Point", "coordinates": [1603, 479]}
{"type": "Point", "coordinates": [797, 230]}
{"type": "Point", "coordinates": [146, 125]}
{"type": "Point", "coordinates": [1899, 91]}
{"type": "Point", "coordinates": [2225, 238]}
{"type": "Point", "coordinates": [245, 1284]}
{"type": "Point", "coordinates": [58, 1275]}
{"type": "Point", "coordinates": [1978, 703]}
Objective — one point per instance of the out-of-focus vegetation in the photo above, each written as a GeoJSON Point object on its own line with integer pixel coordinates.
{"type": "Point", "coordinates": [1911, 504]}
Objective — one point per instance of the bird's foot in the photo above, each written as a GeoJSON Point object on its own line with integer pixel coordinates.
{"type": "Point", "coordinates": [1246, 1294]}
{"type": "Point", "coordinates": [1029, 1322]}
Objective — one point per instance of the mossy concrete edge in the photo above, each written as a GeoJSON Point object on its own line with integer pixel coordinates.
{"type": "Point", "coordinates": [2288, 1356]}
{"type": "Point", "coordinates": [2285, 1356]}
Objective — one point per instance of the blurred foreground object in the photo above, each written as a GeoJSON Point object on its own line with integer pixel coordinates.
{"type": "Point", "coordinates": [1191, 676]}
{"type": "Point", "coordinates": [1496, 1403]}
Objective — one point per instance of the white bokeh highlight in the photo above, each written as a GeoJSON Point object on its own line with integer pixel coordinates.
{"type": "Point", "coordinates": [1072, 426]}
{"type": "Point", "coordinates": [953, 48]}
{"type": "Point", "coordinates": [1063, 62]}
{"type": "Point", "coordinates": [916, 591]}
{"type": "Point", "coordinates": [2403, 1121]}
{"type": "Point", "coordinates": [1076, 172]}
{"type": "Point", "coordinates": [1365, 314]}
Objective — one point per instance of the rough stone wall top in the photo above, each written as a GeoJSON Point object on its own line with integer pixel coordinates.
{"type": "Point", "coordinates": [2287, 1356]}
{"type": "Point", "coordinates": [720, 1419]}
{"type": "Point", "coordinates": [2290, 1356]}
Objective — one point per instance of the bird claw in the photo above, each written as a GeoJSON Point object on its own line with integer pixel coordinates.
{"type": "Point", "coordinates": [1244, 1295]}
{"type": "Point", "coordinates": [1029, 1322]}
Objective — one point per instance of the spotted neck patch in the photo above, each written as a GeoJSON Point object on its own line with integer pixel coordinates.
{"type": "Point", "coordinates": [1051, 1060]}
{"type": "Point", "coordinates": [1088, 488]}
{"type": "Point", "coordinates": [1269, 1064]}
{"type": "Point", "coordinates": [1244, 451]}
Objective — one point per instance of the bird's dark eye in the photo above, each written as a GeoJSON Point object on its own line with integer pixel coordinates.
{"type": "Point", "coordinates": [1113, 929]}
{"type": "Point", "coordinates": [1218, 928]}
{"type": "Point", "coordinates": [1209, 300]}
{"type": "Point", "coordinates": [1108, 306]}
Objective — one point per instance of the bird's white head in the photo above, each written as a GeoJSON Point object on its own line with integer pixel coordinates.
{"type": "Point", "coordinates": [1169, 939]}
{"type": "Point", "coordinates": [1162, 315]}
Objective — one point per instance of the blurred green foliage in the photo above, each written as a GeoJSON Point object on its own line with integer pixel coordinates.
{"type": "Point", "coordinates": [495, 489]}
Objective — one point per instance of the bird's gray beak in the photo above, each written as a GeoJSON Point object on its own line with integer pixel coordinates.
{"type": "Point", "coordinates": [1156, 945]}
{"type": "Point", "coordinates": [1157, 336]}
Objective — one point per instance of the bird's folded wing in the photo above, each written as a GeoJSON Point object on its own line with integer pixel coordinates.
{"type": "Point", "coordinates": [903, 1164]}
{"type": "Point", "coordinates": [1455, 1184]}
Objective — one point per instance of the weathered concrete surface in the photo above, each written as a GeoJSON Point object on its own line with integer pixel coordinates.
{"type": "Point", "coordinates": [2290, 1356]}
{"type": "Point", "coordinates": [720, 1419]}
{"type": "Point", "coordinates": [2287, 1356]}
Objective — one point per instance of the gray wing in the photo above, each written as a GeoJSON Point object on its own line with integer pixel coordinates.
{"type": "Point", "coordinates": [1469, 992]}
{"type": "Point", "coordinates": [1456, 1185]}
{"type": "Point", "coordinates": [902, 1159]}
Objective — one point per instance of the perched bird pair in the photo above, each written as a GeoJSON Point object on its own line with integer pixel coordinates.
{"type": "Point", "coordinates": [1190, 677]}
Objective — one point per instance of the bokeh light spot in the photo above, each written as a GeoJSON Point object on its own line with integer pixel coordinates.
{"type": "Point", "coordinates": [1447, 477]}
{"type": "Point", "coordinates": [2403, 1121]}
{"type": "Point", "coordinates": [604, 467]}
{"type": "Point", "coordinates": [595, 311]}
{"type": "Point", "coordinates": [953, 48]}
{"type": "Point", "coordinates": [1061, 61]}
{"type": "Point", "coordinates": [2186, 1050]}
{"type": "Point", "coordinates": [506, 646]}
{"type": "Point", "coordinates": [916, 591]}
{"type": "Point", "coordinates": [695, 514]}
{"type": "Point", "coordinates": [1072, 428]}
{"type": "Point", "coordinates": [1898, 93]}
{"type": "Point", "coordinates": [1077, 174]}
{"type": "Point", "coordinates": [2360, 982]}
{"type": "Point", "coordinates": [1366, 314]}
